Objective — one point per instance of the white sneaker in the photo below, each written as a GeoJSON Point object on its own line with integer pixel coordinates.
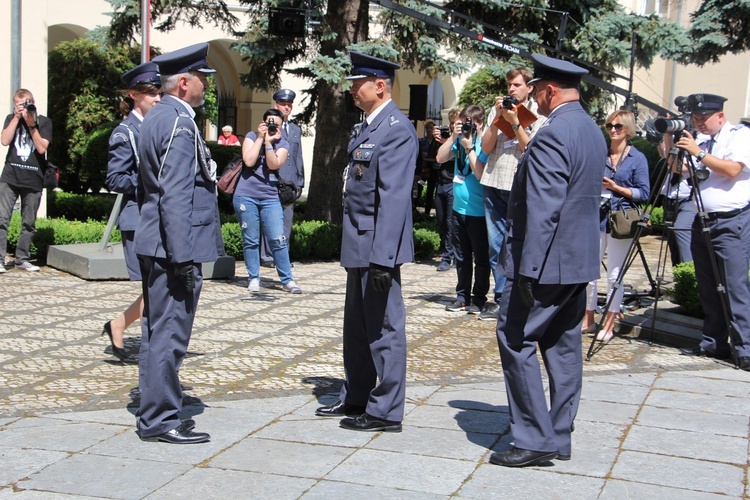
{"type": "Point", "coordinates": [254, 285]}
{"type": "Point", "coordinates": [292, 287]}
{"type": "Point", "coordinates": [2, 269]}
{"type": "Point", "coordinates": [27, 266]}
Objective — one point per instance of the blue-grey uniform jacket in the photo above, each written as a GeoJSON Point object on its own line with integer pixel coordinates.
{"type": "Point", "coordinates": [122, 170]}
{"type": "Point", "coordinates": [377, 225]}
{"type": "Point", "coordinates": [179, 219]}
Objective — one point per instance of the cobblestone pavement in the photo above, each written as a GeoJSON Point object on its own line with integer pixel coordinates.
{"type": "Point", "coordinates": [247, 346]}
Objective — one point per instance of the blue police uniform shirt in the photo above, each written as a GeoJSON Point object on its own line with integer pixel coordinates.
{"type": "Point", "coordinates": [467, 191]}
{"type": "Point", "coordinates": [259, 182]}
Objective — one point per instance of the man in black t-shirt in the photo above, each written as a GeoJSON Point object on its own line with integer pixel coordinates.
{"type": "Point", "coordinates": [27, 135]}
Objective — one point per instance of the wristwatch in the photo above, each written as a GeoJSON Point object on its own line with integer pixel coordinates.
{"type": "Point", "coordinates": [34, 126]}
{"type": "Point", "coordinates": [515, 126]}
{"type": "Point", "coordinates": [701, 155]}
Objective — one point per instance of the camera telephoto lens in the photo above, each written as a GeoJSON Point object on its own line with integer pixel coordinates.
{"type": "Point", "coordinates": [30, 106]}
{"type": "Point", "coordinates": [667, 126]}
{"type": "Point", "coordinates": [272, 127]}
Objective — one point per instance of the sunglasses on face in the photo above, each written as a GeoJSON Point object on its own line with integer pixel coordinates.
{"type": "Point", "coordinates": [616, 126]}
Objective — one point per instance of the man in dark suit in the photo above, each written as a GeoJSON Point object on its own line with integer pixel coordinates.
{"type": "Point", "coordinates": [551, 252]}
{"type": "Point", "coordinates": [377, 239]}
{"type": "Point", "coordinates": [293, 168]}
{"type": "Point", "coordinates": [177, 232]}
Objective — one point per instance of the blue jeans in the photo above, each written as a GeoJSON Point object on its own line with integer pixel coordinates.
{"type": "Point", "coordinates": [496, 212]}
{"type": "Point", "coordinates": [250, 212]}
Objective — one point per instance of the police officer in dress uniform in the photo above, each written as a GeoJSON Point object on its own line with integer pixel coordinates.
{"type": "Point", "coordinates": [551, 252]}
{"type": "Point", "coordinates": [377, 239]}
{"type": "Point", "coordinates": [177, 232]}
{"type": "Point", "coordinates": [723, 151]}
{"type": "Point", "coordinates": [142, 83]}
{"type": "Point", "coordinates": [293, 168]}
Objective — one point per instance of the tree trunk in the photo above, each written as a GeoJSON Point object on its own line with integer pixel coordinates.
{"type": "Point", "coordinates": [333, 120]}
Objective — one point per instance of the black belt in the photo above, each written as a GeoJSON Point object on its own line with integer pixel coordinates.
{"type": "Point", "coordinates": [727, 215]}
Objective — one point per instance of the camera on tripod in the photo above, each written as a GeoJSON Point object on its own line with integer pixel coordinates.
{"type": "Point", "coordinates": [272, 127]}
{"type": "Point", "coordinates": [468, 128]}
{"type": "Point", "coordinates": [678, 124]}
{"type": "Point", "coordinates": [509, 101]}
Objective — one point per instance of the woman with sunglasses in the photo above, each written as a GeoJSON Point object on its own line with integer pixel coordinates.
{"type": "Point", "coordinates": [626, 183]}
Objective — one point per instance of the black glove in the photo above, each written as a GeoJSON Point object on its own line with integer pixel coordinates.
{"type": "Point", "coordinates": [525, 287]}
{"type": "Point", "coordinates": [380, 277]}
{"type": "Point", "coordinates": [184, 273]}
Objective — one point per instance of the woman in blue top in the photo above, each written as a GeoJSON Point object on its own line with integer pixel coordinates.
{"type": "Point", "coordinates": [256, 200]}
{"type": "Point", "coordinates": [627, 179]}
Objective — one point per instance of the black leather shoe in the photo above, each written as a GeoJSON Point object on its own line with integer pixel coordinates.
{"type": "Point", "coordinates": [367, 422]}
{"type": "Point", "coordinates": [188, 424]}
{"type": "Point", "coordinates": [340, 409]}
{"type": "Point", "coordinates": [516, 457]}
{"type": "Point", "coordinates": [563, 457]}
{"type": "Point", "coordinates": [744, 363]}
{"type": "Point", "coordinates": [699, 351]}
{"type": "Point", "coordinates": [179, 435]}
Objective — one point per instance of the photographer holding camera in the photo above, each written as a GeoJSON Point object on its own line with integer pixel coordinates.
{"type": "Point", "coordinates": [469, 228]}
{"type": "Point", "coordinates": [444, 194]}
{"type": "Point", "coordinates": [722, 155]}
{"type": "Point", "coordinates": [27, 135]}
{"type": "Point", "coordinates": [497, 178]}
{"type": "Point", "coordinates": [256, 200]}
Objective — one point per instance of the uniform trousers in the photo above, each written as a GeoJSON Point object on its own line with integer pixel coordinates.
{"type": "Point", "coordinates": [553, 325]}
{"type": "Point", "coordinates": [374, 346]}
{"type": "Point", "coordinates": [166, 325]}
{"type": "Point", "coordinates": [680, 234]}
{"type": "Point", "coordinates": [731, 242]}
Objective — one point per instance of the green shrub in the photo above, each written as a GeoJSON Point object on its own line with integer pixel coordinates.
{"type": "Point", "coordinates": [58, 232]}
{"type": "Point", "coordinates": [327, 242]}
{"type": "Point", "coordinates": [686, 289]}
{"type": "Point", "coordinates": [95, 157]}
{"type": "Point", "coordinates": [426, 243]}
{"type": "Point", "coordinates": [657, 218]}
{"type": "Point", "coordinates": [79, 206]}
{"type": "Point", "coordinates": [230, 232]}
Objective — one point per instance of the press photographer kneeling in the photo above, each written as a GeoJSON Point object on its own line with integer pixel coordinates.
{"type": "Point", "coordinates": [722, 151]}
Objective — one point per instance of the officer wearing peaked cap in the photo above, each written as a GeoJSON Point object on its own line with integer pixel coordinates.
{"type": "Point", "coordinates": [141, 95]}
{"type": "Point", "coordinates": [177, 232]}
{"type": "Point", "coordinates": [376, 240]}
{"type": "Point", "coordinates": [722, 150]}
{"type": "Point", "coordinates": [550, 254]}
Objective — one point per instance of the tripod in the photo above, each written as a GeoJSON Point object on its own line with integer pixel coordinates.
{"type": "Point", "coordinates": [678, 157]}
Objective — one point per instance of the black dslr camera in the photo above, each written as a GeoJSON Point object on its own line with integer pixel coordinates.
{"type": "Point", "coordinates": [509, 101]}
{"type": "Point", "coordinates": [468, 128]}
{"type": "Point", "coordinates": [445, 132]}
{"type": "Point", "coordinates": [29, 106]}
{"type": "Point", "coordinates": [272, 127]}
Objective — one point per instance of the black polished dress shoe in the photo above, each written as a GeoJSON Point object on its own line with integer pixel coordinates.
{"type": "Point", "coordinates": [516, 457]}
{"type": "Point", "coordinates": [563, 457]}
{"type": "Point", "coordinates": [699, 351]}
{"type": "Point", "coordinates": [179, 435]}
{"type": "Point", "coordinates": [369, 423]}
{"type": "Point", "coordinates": [340, 409]}
{"type": "Point", "coordinates": [188, 424]}
{"type": "Point", "coordinates": [119, 352]}
{"type": "Point", "coordinates": [744, 363]}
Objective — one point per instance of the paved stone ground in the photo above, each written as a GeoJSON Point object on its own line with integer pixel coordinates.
{"type": "Point", "coordinates": [652, 422]}
{"type": "Point", "coordinates": [243, 345]}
